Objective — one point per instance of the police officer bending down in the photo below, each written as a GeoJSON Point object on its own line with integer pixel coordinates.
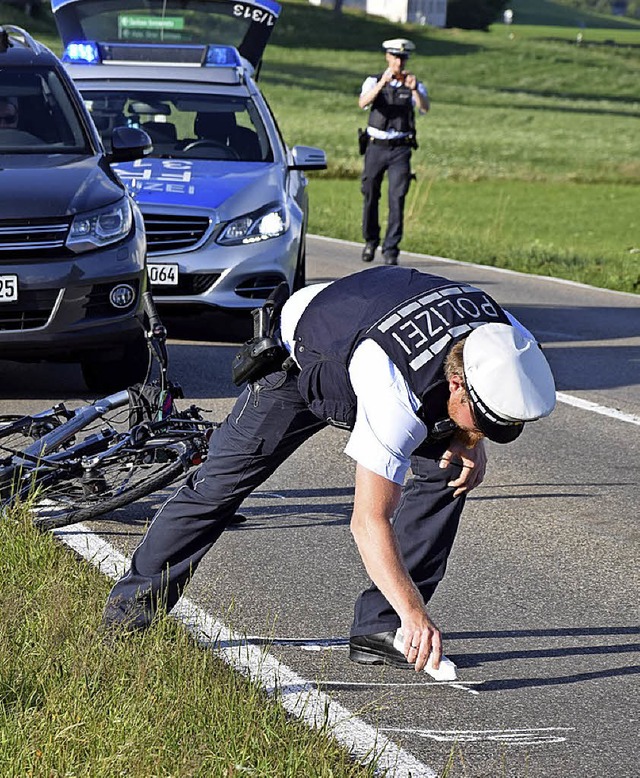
{"type": "Point", "coordinates": [391, 132]}
{"type": "Point", "coordinates": [420, 369]}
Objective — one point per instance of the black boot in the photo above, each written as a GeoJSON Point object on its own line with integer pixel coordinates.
{"type": "Point", "coordinates": [369, 251]}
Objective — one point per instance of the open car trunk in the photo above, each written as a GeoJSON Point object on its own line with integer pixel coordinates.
{"type": "Point", "coordinates": [245, 25]}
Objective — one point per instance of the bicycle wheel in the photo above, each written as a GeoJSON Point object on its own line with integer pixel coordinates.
{"type": "Point", "coordinates": [113, 482]}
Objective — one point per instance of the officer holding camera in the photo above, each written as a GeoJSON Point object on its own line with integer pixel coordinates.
{"type": "Point", "coordinates": [392, 97]}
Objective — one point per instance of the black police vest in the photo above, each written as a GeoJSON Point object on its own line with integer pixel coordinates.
{"type": "Point", "coordinates": [414, 317]}
{"type": "Point", "coordinates": [392, 109]}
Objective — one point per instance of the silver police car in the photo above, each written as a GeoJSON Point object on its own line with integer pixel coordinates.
{"type": "Point", "coordinates": [223, 197]}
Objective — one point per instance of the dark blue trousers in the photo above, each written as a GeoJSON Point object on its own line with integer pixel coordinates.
{"type": "Point", "coordinates": [267, 424]}
{"type": "Point", "coordinates": [395, 161]}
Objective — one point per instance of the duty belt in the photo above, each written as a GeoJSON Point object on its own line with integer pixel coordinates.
{"type": "Point", "coordinates": [408, 141]}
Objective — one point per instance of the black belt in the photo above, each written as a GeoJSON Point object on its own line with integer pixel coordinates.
{"type": "Point", "coordinates": [391, 141]}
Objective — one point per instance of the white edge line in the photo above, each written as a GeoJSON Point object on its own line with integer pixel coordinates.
{"type": "Point", "coordinates": [299, 696]}
{"type": "Point", "coordinates": [603, 410]}
{"type": "Point", "coordinates": [448, 261]}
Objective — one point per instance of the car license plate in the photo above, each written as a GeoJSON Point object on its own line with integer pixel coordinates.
{"type": "Point", "coordinates": [8, 289]}
{"type": "Point", "coordinates": [163, 274]}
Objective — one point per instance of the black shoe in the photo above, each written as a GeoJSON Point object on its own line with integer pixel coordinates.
{"type": "Point", "coordinates": [390, 257]}
{"type": "Point", "coordinates": [369, 251]}
{"type": "Point", "coordinates": [124, 618]}
{"type": "Point", "coordinates": [377, 649]}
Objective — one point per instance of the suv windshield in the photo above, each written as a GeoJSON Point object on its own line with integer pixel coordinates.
{"type": "Point", "coordinates": [194, 126]}
{"type": "Point", "coordinates": [37, 114]}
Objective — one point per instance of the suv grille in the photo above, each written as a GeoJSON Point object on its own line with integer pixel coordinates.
{"type": "Point", "coordinates": [31, 311]}
{"type": "Point", "coordinates": [32, 238]}
{"type": "Point", "coordinates": [173, 233]}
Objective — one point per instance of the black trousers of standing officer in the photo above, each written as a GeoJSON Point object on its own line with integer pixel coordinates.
{"type": "Point", "coordinates": [267, 424]}
{"type": "Point", "coordinates": [395, 161]}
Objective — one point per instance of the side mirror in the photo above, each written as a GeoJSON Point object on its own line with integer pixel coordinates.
{"type": "Point", "coordinates": [308, 158]}
{"type": "Point", "coordinates": [129, 143]}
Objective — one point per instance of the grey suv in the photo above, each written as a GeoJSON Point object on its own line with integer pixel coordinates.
{"type": "Point", "coordinates": [72, 245]}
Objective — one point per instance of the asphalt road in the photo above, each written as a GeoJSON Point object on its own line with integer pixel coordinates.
{"type": "Point", "coordinates": [540, 604]}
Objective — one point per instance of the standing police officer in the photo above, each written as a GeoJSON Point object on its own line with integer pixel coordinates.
{"type": "Point", "coordinates": [391, 135]}
{"type": "Point", "coordinates": [420, 369]}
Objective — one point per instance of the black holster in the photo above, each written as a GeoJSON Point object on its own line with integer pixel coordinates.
{"type": "Point", "coordinates": [363, 140]}
{"type": "Point", "coordinates": [264, 353]}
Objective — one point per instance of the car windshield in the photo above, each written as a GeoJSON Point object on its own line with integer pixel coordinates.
{"type": "Point", "coordinates": [193, 126]}
{"type": "Point", "coordinates": [37, 114]}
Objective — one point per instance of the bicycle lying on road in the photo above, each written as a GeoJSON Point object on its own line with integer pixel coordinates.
{"type": "Point", "coordinates": [75, 465]}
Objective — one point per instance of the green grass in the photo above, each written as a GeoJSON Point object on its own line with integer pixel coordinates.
{"type": "Point", "coordinates": [562, 14]}
{"type": "Point", "coordinates": [542, 228]}
{"type": "Point", "coordinates": [528, 158]}
{"type": "Point", "coordinates": [152, 705]}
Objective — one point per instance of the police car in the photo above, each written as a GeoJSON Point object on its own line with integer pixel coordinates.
{"type": "Point", "coordinates": [223, 197]}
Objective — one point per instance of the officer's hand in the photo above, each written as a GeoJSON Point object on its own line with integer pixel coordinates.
{"type": "Point", "coordinates": [421, 638]}
{"type": "Point", "coordinates": [386, 76]}
{"type": "Point", "coordinates": [473, 462]}
{"type": "Point", "coordinates": [410, 81]}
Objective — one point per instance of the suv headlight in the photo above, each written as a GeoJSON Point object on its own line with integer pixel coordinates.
{"type": "Point", "coordinates": [269, 222]}
{"type": "Point", "coordinates": [99, 228]}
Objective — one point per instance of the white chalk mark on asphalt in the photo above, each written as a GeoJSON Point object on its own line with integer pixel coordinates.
{"type": "Point", "coordinates": [400, 685]}
{"type": "Point", "coordinates": [510, 737]}
{"type": "Point", "coordinates": [299, 697]}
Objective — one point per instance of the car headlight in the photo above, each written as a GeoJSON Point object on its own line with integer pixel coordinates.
{"type": "Point", "coordinates": [269, 222]}
{"type": "Point", "coordinates": [101, 227]}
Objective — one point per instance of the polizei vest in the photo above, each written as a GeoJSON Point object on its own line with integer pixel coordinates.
{"type": "Point", "coordinates": [392, 109]}
{"type": "Point", "coordinates": [414, 317]}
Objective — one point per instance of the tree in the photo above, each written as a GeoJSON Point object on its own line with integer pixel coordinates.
{"type": "Point", "coordinates": [474, 14]}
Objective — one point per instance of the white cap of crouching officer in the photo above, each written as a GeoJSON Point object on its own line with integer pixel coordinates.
{"type": "Point", "coordinates": [508, 379]}
{"type": "Point", "coordinates": [400, 47]}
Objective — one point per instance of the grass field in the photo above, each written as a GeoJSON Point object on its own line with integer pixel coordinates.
{"type": "Point", "coordinates": [528, 159]}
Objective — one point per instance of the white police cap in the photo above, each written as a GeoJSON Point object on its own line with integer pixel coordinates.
{"type": "Point", "coordinates": [508, 379]}
{"type": "Point", "coordinates": [401, 47]}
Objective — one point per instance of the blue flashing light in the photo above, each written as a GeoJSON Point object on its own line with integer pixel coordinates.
{"type": "Point", "coordinates": [83, 52]}
{"type": "Point", "coordinates": [222, 56]}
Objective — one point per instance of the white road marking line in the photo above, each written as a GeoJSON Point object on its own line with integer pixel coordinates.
{"type": "Point", "coordinates": [587, 405]}
{"type": "Point", "coordinates": [296, 694]}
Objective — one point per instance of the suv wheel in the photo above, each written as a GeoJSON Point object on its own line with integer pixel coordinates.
{"type": "Point", "coordinates": [117, 369]}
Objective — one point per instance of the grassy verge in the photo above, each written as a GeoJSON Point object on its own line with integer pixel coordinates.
{"type": "Point", "coordinates": [153, 705]}
{"type": "Point", "coordinates": [578, 232]}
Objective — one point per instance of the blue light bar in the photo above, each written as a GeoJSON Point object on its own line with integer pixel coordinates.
{"type": "Point", "coordinates": [83, 52]}
{"type": "Point", "coordinates": [222, 56]}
